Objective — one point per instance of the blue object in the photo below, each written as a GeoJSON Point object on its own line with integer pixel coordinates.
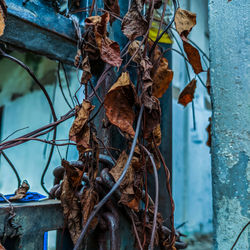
{"type": "Point", "coordinates": [31, 196]}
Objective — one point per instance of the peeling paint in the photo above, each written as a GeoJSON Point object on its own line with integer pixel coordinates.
{"type": "Point", "coordinates": [228, 228]}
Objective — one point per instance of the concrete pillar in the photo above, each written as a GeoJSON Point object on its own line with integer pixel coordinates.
{"type": "Point", "coordinates": [229, 28]}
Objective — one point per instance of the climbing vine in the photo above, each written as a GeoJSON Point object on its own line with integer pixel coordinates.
{"type": "Point", "coordinates": [101, 184]}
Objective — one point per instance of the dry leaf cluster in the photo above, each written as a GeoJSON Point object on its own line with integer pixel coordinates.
{"type": "Point", "coordinates": [84, 183]}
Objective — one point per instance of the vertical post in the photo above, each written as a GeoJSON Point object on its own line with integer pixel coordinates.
{"type": "Point", "coordinates": [229, 27]}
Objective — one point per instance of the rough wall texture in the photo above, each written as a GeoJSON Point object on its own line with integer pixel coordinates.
{"type": "Point", "coordinates": [229, 27]}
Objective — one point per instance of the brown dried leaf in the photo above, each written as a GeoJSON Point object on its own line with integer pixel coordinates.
{"type": "Point", "coordinates": [187, 94]}
{"type": "Point", "coordinates": [162, 78]}
{"type": "Point", "coordinates": [152, 115]}
{"type": "Point", "coordinates": [112, 6]}
{"type": "Point", "coordinates": [119, 103]}
{"type": "Point", "coordinates": [193, 57]}
{"type": "Point", "coordinates": [79, 131]}
{"type": "Point", "coordinates": [208, 83]}
{"type": "Point", "coordinates": [116, 172]}
{"type": "Point", "coordinates": [134, 25]}
{"type": "Point", "coordinates": [184, 22]}
{"type": "Point", "coordinates": [73, 173]}
{"type": "Point", "coordinates": [157, 135]}
{"type": "Point", "coordinates": [109, 50]}
{"type": "Point", "coordinates": [89, 199]}
{"type": "Point", "coordinates": [71, 209]}
{"type": "Point", "coordinates": [86, 74]}
{"type": "Point", "coordinates": [82, 115]}
{"type": "Point", "coordinates": [128, 196]}
{"type": "Point", "coordinates": [3, 13]}
{"type": "Point", "coordinates": [130, 201]}
{"type": "Point", "coordinates": [133, 48]}
{"type": "Point", "coordinates": [21, 192]}
{"type": "Point", "coordinates": [136, 161]}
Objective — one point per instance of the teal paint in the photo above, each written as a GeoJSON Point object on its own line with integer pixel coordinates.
{"type": "Point", "coordinates": [229, 27]}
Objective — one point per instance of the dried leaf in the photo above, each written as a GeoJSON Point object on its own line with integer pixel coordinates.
{"type": "Point", "coordinates": [187, 94]}
{"type": "Point", "coordinates": [133, 48]}
{"type": "Point", "coordinates": [128, 197]}
{"type": "Point", "coordinates": [152, 111]}
{"type": "Point", "coordinates": [3, 14]}
{"type": "Point", "coordinates": [130, 201]}
{"type": "Point", "coordinates": [109, 50]}
{"type": "Point", "coordinates": [82, 115]}
{"type": "Point", "coordinates": [208, 83]}
{"type": "Point", "coordinates": [184, 22]}
{"type": "Point", "coordinates": [112, 6]}
{"type": "Point", "coordinates": [117, 170]}
{"type": "Point", "coordinates": [119, 103]}
{"type": "Point", "coordinates": [21, 192]}
{"type": "Point", "coordinates": [86, 74]}
{"type": "Point", "coordinates": [152, 115]}
{"type": "Point", "coordinates": [193, 57]}
{"type": "Point", "coordinates": [71, 209]}
{"type": "Point", "coordinates": [157, 135]}
{"type": "Point", "coordinates": [162, 77]}
{"type": "Point", "coordinates": [79, 131]}
{"type": "Point", "coordinates": [73, 172]}
{"type": "Point", "coordinates": [208, 129]}
{"type": "Point", "coordinates": [89, 199]}
{"type": "Point", "coordinates": [134, 25]}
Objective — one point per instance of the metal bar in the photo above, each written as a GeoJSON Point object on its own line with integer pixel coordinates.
{"type": "Point", "coordinates": [32, 220]}
{"type": "Point", "coordinates": [36, 27]}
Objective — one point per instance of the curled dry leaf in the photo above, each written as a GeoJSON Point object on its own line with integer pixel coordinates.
{"type": "Point", "coordinates": [112, 6]}
{"type": "Point", "coordinates": [193, 57]}
{"type": "Point", "coordinates": [79, 131]}
{"type": "Point", "coordinates": [117, 170]}
{"type": "Point", "coordinates": [71, 209]}
{"type": "Point", "coordinates": [134, 25]}
{"type": "Point", "coordinates": [89, 199]}
{"type": "Point", "coordinates": [187, 94]}
{"type": "Point", "coordinates": [86, 74]}
{"type": "Point", "coordinates": [152, 115]}
{"type": "Point", "coordinates": [73, 172]}
{"type": "Point", "coordinates": [162, 77]}
{"type": "Point", "coordinates": [157, 135]}
{"type": "Point", "coordinates": [119, 103]}
{"type": "Point", "coordinates": [109, 50]}
{"type": "Point", "coordinates": [152, 111]}
{"type": "Point", "coordinates": [3, 14]}
{"type": "Point", "coordinates": [132, 50]}
{"type": "Point", "coordinates": [184, 22]}
{"type": "Point", "coordinates": [21, 192]}
{"type": "Point", "coordinates": [128, 197]}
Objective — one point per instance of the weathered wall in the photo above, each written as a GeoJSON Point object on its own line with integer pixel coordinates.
{"type": "Point", "coordinates": [229, 28]}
